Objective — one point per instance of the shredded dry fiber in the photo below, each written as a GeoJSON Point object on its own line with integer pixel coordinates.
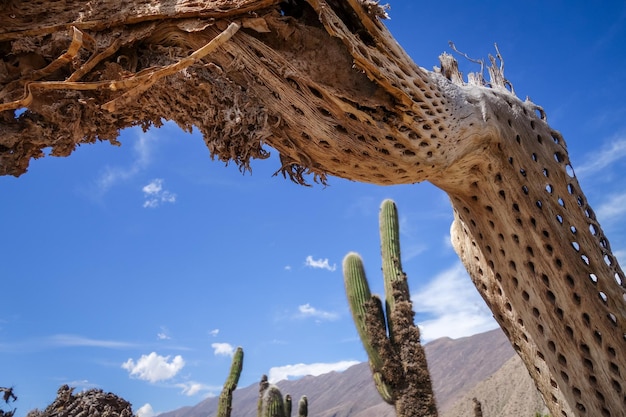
{"type": "Point", "coordinates": [325, 84]}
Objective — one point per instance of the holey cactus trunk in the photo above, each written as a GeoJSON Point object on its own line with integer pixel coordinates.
{"type": "Point", "coordinates": [325, 84]}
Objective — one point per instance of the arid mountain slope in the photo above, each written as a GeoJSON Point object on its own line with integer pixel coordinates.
{"type": "Point", "coordinates": [510, 392]}
{"type": "Point", "coordinates": [482, 366]}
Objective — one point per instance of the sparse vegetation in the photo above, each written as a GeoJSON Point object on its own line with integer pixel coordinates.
{"type": "Point", "coordinates": [271, 402]}
{"type": "Point", "coordinates": [478, 408]}
{"type": "Point", "coordinates": [390, 337]}
{"type": "Point", "coordinates": [8, 396]}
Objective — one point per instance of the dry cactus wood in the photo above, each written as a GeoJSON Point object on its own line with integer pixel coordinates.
{"type": "Point", "coordinates": [325, 84]}
{"type": "Point", "coordinates": [90, 403]}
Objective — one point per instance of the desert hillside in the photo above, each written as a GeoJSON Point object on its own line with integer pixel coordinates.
{"type": "Point", "coordinates": [482, 366]}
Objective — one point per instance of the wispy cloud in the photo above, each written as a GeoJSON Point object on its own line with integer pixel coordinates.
{"type": "Point", "coordinates": [214, 332]}
{"type": "Point", "coordinates": [306, 311]}
{"type": "Point", "coordinates": [153, 367]}
{"type": "Point", "coordinates": [452, 306]}
{"type": "Point", "coordinates": [319, 263]}
{"type": "Point", "coordinates": [154, 195]}
{"type": "Point", "coordinates": [69, 340]}
{"type": "Point", "coordinates": [191, 388]}
{"type": "Point", "coordinates": [612, 208]}
{"type": "Point", "coordinates": [620, 254]}
{"type": "Point", "coordinates": [279, 373]}
{"type": "Point", "coordinates": [223, 349]}
{"type": "Point", "coordinates": [82, 384]}
{"type": "Point", "coordinates": [597, 161]}
{"type": "Point", "coordinates": [114, 175]}
{"type": "Point", "coordinates": [163, 334]}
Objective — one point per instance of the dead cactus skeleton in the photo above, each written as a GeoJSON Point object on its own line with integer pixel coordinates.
{"type": "Point", "coordinates": [523, 228]}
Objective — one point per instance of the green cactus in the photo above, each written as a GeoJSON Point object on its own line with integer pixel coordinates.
{"type": "Point", "coordinates": [288, 405]}
{"type": "Point", "coordinates": [271, 403]}
{"type": "Point", "coordinates": [224, 407]}
{"type": "Point", "coordinates": [390, 336]}
{"type": "Point", "coordinates": [303, 407]}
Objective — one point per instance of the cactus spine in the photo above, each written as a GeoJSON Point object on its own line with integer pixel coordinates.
{"type": "Point", "coordinates": [225, 404]}
{"type": "Point", "coordinates": [389, 336]}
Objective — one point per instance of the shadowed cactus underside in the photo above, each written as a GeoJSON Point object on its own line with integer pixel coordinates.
{"type": "Point", "coordinates": [390, 336]}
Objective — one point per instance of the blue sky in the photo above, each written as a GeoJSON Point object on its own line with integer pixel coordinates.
{"type": "Point", "coordinates": [137, 269]}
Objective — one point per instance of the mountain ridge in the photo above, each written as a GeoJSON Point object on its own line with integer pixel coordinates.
{"type": "Point", "coordinates": [483, 366]}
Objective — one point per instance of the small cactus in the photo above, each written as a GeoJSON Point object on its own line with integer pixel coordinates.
{"type": "Point", "coordinates": [303, 407]}
{"type": "Point", "coordinates": [390, 336]}
{"type": "Point", "coordinates": [225, 404]}
{"type": "Point", "coordinates": [478, 408]}
{"type": "Point", "coordinates": [272, 404]}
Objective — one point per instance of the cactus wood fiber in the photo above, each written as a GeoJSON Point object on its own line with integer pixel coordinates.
{"type": "Point", "coordinates": [391, 340]}
{"type": "Point", "coordinates": [226, 397]}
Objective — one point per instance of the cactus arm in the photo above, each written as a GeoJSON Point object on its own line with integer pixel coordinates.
{"type": "Point", "coordinates": [226, 397]}
{"type": "Point", "coordinates": [390, 253]}
{"type": "Point", "coordinates": [383, 388]}
{"type": "Point", "coordinates": [358, 292]}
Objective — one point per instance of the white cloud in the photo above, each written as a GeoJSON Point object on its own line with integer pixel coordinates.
{"type": "Point", "coordinates": [145, 411]}
{"type": "Point", "coordinates": [192, 388]}
{"type": "Point", "coordinates": [454, 305]}
{"type": "Point", "coordinates": [223, 349]}
{"type": "Point", "coordinates": [598, 161]}
{"type": "Point", "coordinates": [288, 268]}
{"type": "Point", "coordinates": [153, 367]}
{"type": "Point", "coordinates": [214, 332]}
{"type": "Point", "coordinates": [154, 194]}
{"type": "Point", "coordinates": [279, 373]}
{"type": "Point", "coordinates": [319, 263]}
{"type": "Point", "coordinates": [306, 310]}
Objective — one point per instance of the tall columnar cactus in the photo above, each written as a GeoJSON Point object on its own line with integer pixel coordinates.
{"type": "Point", "coordinates": [272, 404]}
{"type": "Point", "coordinates": [226, 397]}
{"type": "Point", "coordinates": [390, 337]}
